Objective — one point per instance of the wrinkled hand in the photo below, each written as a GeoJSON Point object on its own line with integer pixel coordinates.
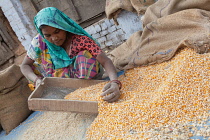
{"type": "Point", "coordinates": [111, 92]}
{"type": "Point", "coordinates": [39, 82]}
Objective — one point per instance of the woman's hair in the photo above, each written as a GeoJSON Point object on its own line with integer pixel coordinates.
{"type": "Point", "coordinates": [42, 26]}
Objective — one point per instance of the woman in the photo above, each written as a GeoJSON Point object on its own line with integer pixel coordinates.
{"type": "Point", "coordinates": [64, 49]}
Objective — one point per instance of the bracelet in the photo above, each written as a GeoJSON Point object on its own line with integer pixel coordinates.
{"type": "Point", "coordinates": [118, 82]}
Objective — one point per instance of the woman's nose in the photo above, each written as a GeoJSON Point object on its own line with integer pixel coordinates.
{"type": "Point", "coordinates": [54, 38]}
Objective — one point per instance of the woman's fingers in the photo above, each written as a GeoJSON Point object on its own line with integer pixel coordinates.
{"type": "Point", "coordinates": [107, 91]}
{"type": "Point", "coordinates": [112, 97]}
{"type": "Point", "coordinates": [107, 86]}
{"type": "Point", "coordinates": [39, 82]}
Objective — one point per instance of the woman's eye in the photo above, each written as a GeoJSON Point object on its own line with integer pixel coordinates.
{"type": "Point", "coordinates": [47, 36]}
{"type": "Point", "coordinates": [57, 31]}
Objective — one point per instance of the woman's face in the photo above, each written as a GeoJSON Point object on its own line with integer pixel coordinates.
{"type": "Point", "coordinates": [54, 35]}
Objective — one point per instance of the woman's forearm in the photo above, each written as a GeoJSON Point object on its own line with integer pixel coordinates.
{"type": "Point", "coordinates": [110, 70]}
{"type": "Point", "coordinates": [107, 65]}
{"type": "Point", "coordinates": [28, 72]}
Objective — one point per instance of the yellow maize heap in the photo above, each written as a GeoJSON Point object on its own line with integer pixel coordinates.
{"type": "Point", "coordinates": [162, 101]}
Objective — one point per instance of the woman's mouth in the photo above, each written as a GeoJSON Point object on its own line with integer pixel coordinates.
{"type": "Point", "coordinates": [57, 42]}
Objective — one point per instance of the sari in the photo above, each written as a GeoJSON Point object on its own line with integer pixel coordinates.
{"type": "Point", "coordinates": [84, 65]}
{"type": "Point", "coordinates": [53, 61]}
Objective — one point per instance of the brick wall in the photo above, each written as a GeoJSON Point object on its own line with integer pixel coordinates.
{"type": "Point", "coordinates": [18, 21]}
{"type": "Point", "coordinates": [106, 33]}
{"type": "Point", "coordinates": [109, 34]}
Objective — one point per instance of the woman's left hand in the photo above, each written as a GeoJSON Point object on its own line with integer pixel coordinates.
{"type": "Point", "coordinates": [111, 92]}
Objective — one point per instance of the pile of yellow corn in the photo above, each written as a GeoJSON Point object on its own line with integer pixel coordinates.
{"type": "Point", "coordinates": [162, 101]}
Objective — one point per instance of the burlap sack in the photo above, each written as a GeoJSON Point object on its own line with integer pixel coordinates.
{"type": "Point", "coordinates": [168, 25]}
{"type": "Point", "coordinates": [122, 54]}
{"type": "Point", "coordinates": [166, 7]}
{"type": "Point", "coordinates": [162, 38]}
{"type": "Point", "coordinates": [113, 6]}
{"type": "Point", "coordinates": [9, 77]}
{"type": "Point", "coordinates": [14, 104]}
{"type": "Point", "coordinates": [141, 5]}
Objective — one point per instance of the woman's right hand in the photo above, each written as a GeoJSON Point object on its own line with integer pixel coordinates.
{"type": "Point", "coordinates": [26, 69]}
{"type": "Point", "coordinates": [39, 82]}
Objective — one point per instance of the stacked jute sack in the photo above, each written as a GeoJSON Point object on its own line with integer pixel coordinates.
{"type": "Point", "coordinates": [167, 26]}
{"type": "Point", "coordinates": [14, 93]}
{"type": "Point", "coordinates": [114, 7]}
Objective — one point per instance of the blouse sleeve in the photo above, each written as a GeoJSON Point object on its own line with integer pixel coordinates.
{"type": "Point", "coordinates": [85, 43]}
{"type": "Point", "coordinates": [34, 51]}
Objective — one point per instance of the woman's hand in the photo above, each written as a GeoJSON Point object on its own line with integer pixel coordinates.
{"type": "Point", "coordinates": [111, 92]}
{"type": "Point", "coordinates": [39, 82]}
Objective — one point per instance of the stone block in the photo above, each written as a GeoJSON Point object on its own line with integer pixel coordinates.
{"type": "Point", "coordinates": [108, 23]}
{"type": "Point", "coordinates": [91, 30]}
{"type": "Point", "coordinates": [28, 37]}
{"type": "Point", "coordinates": [111, 35]}
{"type": "Point", "coordinates": [96, 36]}
{"type": "Point", "coordinates": [116, 40]}
{"type": "Point", "coordinates": [101, 39]}
{"type": "Point", "coordinates": [9, 15]}
{"type": "Point", "coordinates": [97, 28]}
{"type": "Point", "coordinates": [108, 43]}
{"type": "Point", "coordinates": [112, 29]}
{"type": "Point", "coordinates": [120, 32]}
{"type": "Point", "coordinates": [103, 33]}
{"type": "Point", "coordinates": [22, 31]}
{"type": "Point", "coordinates": [15, 27]}
{"type": "Point", "coordinates": [6, 5]}
{"type": "Point", "coordinates": [16, 4]}
{"type": "Point", "coordinates": [104, 26]}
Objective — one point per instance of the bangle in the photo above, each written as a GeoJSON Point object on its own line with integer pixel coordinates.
{"type": "Point", "coordinates": [118, 82]}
